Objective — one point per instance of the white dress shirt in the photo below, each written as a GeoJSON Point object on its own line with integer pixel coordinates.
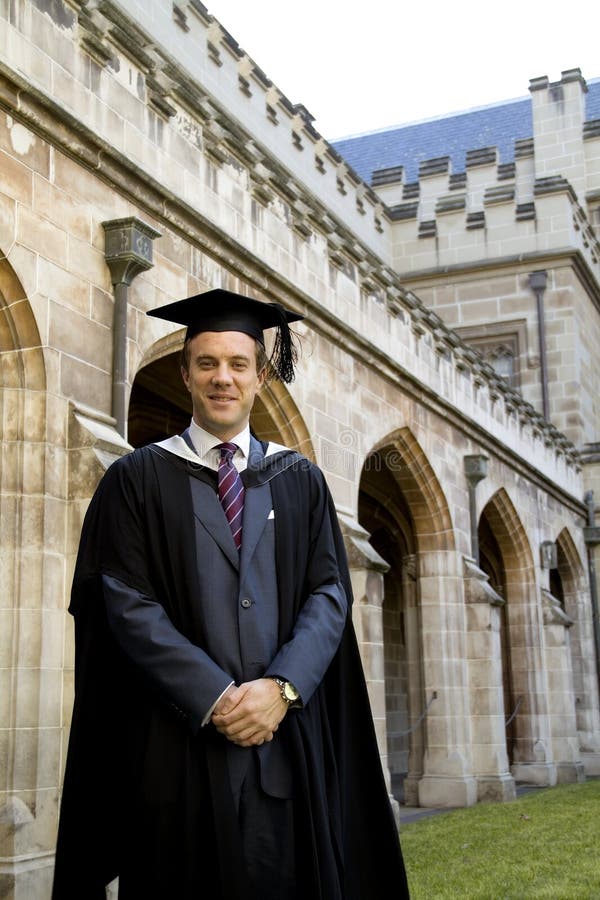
{"type": "Point", "coordinates": [205, 445]}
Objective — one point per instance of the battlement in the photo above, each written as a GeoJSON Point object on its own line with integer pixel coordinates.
{"type": "Point", "coordinates": [561, 157]}
{"type": "Point", "coordinates": [194, 75]}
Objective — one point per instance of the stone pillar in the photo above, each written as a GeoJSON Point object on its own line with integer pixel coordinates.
{"type": "Point", "coordinates": [417, 703]}
{"type": "Point", "coordinates": [367, 569]}
{"type": "Point", "coordinates": [33, 475]}
{"type": "Point", "coordinates": [586, 610]}
{"type": "Point", "coordinates": [484, 660]}
{"type": "Point", "coordinates": [561, 696]}
{"type": "Point", "coordinates": [585, 681]}
{"type": "Point", "coordinates": [93, 443]}
{"type": "Point", "coordinates": [532, 754]}
{"type": "Point", "coordinates": [448, 778]}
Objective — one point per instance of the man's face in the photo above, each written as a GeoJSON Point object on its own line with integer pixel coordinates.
{"type": "Point", "coordinates": [222, 380]}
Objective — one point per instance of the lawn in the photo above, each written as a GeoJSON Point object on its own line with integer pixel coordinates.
{"type": "Point", "coordinates": [545, 844]}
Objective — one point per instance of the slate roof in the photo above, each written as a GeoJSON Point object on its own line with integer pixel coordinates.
{"type": "Point", "coordinates": [498, 125]}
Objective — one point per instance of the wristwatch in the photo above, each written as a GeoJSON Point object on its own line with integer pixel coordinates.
{"type": "Point", "coordinates": [288, 691]}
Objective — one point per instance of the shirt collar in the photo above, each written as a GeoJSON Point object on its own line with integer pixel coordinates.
{"type": "Point", "coordinates": [204, 441]}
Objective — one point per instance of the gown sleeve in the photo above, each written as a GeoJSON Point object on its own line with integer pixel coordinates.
{"type": "Point", "coordinates": [186, 677]}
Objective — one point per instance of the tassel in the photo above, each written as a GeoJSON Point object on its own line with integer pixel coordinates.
{"type": "Point", "coordinates": [285, 351]}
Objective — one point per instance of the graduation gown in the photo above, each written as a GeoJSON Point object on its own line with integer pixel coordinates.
{"type": "Point", "coordinates": [144, 792]}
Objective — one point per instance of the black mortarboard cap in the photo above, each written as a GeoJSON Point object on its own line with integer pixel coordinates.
{"type": "Point", "coordinates": [220, 310]}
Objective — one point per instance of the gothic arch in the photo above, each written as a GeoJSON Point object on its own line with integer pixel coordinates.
{"type": "Point", "coordinates": [575, 597]}
{"type": "Point", "coordinates": [509, 532]}
{"type": "Point", "coordinates": [401, 455]}
{"type": "Point", "coordinates": [159, 403]}
{"type": "Point", "coordinates": [405, 512]}
{"type": "Point", "coordinates": [569, 577]}
{"type": "Point", "coordinates": [503, 539]}
{"type": "Point", "coordinates": [20, 343]}
{"type": "Point", "coordinates": [22, 426]}
{"type": "Point", "coordinates": [276, 417]}
{"type": "Point", "coordinates": [570, 566]}
{"type": "Point", "coordinates": [30, 580]}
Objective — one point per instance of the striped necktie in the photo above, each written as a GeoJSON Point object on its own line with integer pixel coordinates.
{"type": "Point", "coordinates": [231, 490]}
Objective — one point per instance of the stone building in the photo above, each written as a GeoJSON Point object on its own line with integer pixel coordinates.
{"type": "Point", "coordinates": [145, 157]}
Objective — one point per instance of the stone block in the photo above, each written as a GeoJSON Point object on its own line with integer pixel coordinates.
{"type": "Point", "coordinates": [37, 758]}
{"type": "Point", "coordinates": [53, 584]}
{"type": "Point", "coordinates": [79, 337]}
{"type": "Point", "coordinates": [85, 384]}
{"type": "Point", "coordinates": [42, 236]}
{"type": "Point", "coordinates": [59, 207]}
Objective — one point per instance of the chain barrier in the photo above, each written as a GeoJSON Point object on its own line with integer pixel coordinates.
{"type": "Point", "coordinates": [420, 719]}
{"type": "Point", "coordinates": [514, 712]}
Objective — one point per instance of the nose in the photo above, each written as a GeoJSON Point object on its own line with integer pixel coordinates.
{"type": "Point", "coordinates": [221, 375]}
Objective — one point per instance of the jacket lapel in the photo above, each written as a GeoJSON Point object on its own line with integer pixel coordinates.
{"type": "Point", "coordinates": [209, 513]}
{"type": "Point", "coordinates": [257, 506]}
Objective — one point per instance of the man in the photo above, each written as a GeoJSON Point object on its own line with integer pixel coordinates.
{"type": "Point", "coordinates": [222, 745]}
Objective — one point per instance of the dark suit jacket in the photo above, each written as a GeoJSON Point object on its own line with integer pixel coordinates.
{"type": "Point", "coordinates": [237, 596]}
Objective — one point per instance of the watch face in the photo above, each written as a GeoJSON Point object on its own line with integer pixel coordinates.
{"type": "Point", "coordinates": [290, 692]}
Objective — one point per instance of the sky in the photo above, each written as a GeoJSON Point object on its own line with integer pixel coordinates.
{"type": "Point", "coordinates": [360, 67]}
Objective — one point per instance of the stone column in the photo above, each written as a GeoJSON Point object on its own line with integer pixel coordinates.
{"type": "Point", "coordinates": [33, 474]}
{"type": "Point", "coordinates": [532, 755]}
{"type": "Point", "coordinates": [417, 702]}
{"type": "Point", "coordinates": [367, 569]}
{"type": "Point", "coordinates": [32, 516]}
{"type": "Point", "coordinates": [561, 696]}
{"type": "Point", "coordinates": [585, 686]}
{"type": "Point", "coordinates": [448, 778]}
{"type": "Point", "coordinates": [93, 444]}
{"type": "Point", "coordinates": [484, 660]}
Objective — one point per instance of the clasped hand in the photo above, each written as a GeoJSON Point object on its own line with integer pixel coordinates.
{"type": "Point", "coordinates": [249, 714]}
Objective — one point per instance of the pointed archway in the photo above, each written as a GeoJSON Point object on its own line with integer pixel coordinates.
{"type": "Point", "coordinates": [569, 584]}
{"type": "Point", "coordinates": [32, 573]}
{"type": "Point", "coordinates": [507, 559]}
{"type": "Point", "coordinates": [403, 509]}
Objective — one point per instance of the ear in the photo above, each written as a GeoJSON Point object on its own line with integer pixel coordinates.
{"type": "Point", "coordinates": [262, 377]}
{"type": "Point", "coordinates": [186, 377]}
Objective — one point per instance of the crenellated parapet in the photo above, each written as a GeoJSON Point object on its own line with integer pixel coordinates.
{"type": "Point", "coordinates": [547, 193]}
{"type": "Point", "coordinates": [321, 193]}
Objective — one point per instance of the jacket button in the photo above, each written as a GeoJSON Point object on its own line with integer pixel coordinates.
{"type": "Point", "coordinates": [246, 603]}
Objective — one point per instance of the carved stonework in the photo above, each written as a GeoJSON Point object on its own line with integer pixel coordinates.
{"type": "Point", "coordinates": [128, 248]}
{"type": "Point", "coordinates": [94, 444]}
{"type": "Point", "coordinates": [477, 586]}
{"type": "Point", "coordinates": [409, 567]}
{"type": "Point", "coordinates": [548, 555]}
{"type": "Point", "coordinates": [361, 555]}
{"type": "Point", "coordinates": [553, 611]}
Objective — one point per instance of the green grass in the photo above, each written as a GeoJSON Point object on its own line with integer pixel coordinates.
{"type": "Point", "coordinates": [543, 845]}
